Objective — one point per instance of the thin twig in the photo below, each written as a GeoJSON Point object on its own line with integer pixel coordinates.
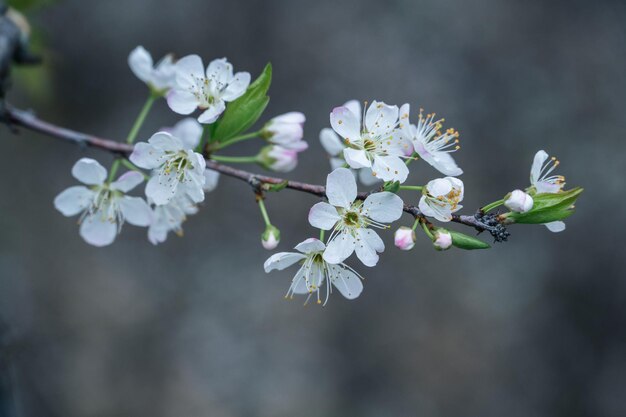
{"type": "Point", "coordinates": [30, 121]}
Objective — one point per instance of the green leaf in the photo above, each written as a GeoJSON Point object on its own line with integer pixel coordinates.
{"type": "Point", "coordinates": [392, 187]}
{"type": "Point", "coordinates": [275, 187]}
{"type": "Point", "coordinates": [548, 207]}
{"type": "Point", "coordinates": [467, 242]}
{"type": "Point", "coordinates": [242, 113]}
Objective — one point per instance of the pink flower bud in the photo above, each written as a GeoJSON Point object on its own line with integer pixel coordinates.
{"type": "Point", "coordinates": [279, 159]}
{"type": "Point", "coordinates": [519, 201]}
{"type": "Point", "coordinates": [286, 131]}
{"type": "Point", "coordinates": [404, 238]}
{"type": "Point", "coordinates": [443, 239]}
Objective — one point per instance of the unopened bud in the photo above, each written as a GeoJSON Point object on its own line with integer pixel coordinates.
{"type": "Point", "coordinates": [519, 201]}
{"type": "Point", "coordinates": [404, 238]}
{"type": "Point", "coordinates": [277, 158]}
{"type": "Point", "coordinates": [270, 238]}
{"type": "Point", "coordinates": [286, 131]}
{"type": "Point", "coordinates": [443, 239]}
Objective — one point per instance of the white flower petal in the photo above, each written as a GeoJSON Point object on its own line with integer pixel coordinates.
{"type": "Point", "coordinates": [89, 171]}
{"type": "Point", "coordinates": [439, 187]}
{"type": "Point", "coordinates": [166, 142]}
{"type": "Point", "coordinates": [331, 142]}
{"type": "Point", "coordinates": [237, 86]}
{"type": "Point", "coordinates": [339, 248]}
{"type": "Point", "coordinates": [356, 158]}
{"type": "Point", "coordinates": [425, 208]}
{"type": "Point", "coordinates": [220, 71]}
{"type": "Point", "coordinates": [182, 101]}
{"type": "Point", "coordinates": [390, 168]}
{"type": "Point", "coordinates": [211, 179]}
{"type": "Point", "coordinates": [323, 216]}
{"type": "Point", "coordinates": [97, 230]}
{"type": "Point", "coordinates": [211, 114]}
{"type": "Point", "coordinates": [282, 260]}
{"type": "Point", "coordinates": [535, 171]}
{"type": "Point", "coordinates": [341, 188]}
{"type": "Point", "coordinates": [294, 117]}
{"type": "Point", "coordinates": [310, 245]}
{"type": "Point", "coordinates": [73, 200]}
{"type": "Point", "coordinates": [161, 188]}
{"type": "Point", "coordinates": [189, 131]}
{"type": "Point", "coordinates": [381, 118]}
{"type": "Point", "coordinates": [367, 245]}
{"type": "Point", "coordinates": [299, 284]}
{"type": "Point", "coordinates": [444, 163]}
{"type": "Point", "coordinates": [188, 70]}
{"type": "Point", "coordinates": [556, 226]}
{"type": "Point", "coordinates": [146, 156]}
{"type": "Point", "coordinates": [355, 107]}
{"type": "Point", "coordinates": [141, 64]}
{"type": "Point", "coordinates": [136, 211]}
{"type": "Point", "coordinates": [127, 181]}
{"type": "Point", "coordinates": [346, 124]}
{"type": "Point", "coordinates": [384, 207]}
{"type": "Point", "coordinates": [337, 163]}
{"type": "Point", "coordinates": [367, 177]}
{"type": "Point", "coordinates": [347, 282]}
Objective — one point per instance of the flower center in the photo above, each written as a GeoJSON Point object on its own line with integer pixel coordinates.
{"type": "Point", "coordinates": [351, 219]}
{"type": "Point", "coordinates": [178, 163]}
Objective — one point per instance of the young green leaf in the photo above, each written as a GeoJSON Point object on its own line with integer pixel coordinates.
{"type": "Point", "coordinates": [242, 113]}
{"type": "Point", "coordinates": [467, 242]}
{"type": "Point", "coordinates": [547, 208]}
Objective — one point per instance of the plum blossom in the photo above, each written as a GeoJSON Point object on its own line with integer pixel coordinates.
{"type": "Point", "coordinates": [315, 271]}
{"type": "Point", "coordinates": [518, 201]}
{"type": "Point", "coordinates": [174, 165]}
{"type": "Point", "coordinates": [279, 159]}
{"type": "Point", "coordinates": [441, 198]}
{"type": "Point", "coordinates": [404, 238]}
{"type": "Point", "coordinates": [160, 77]}
{"type": "Point", "coordinates": [350, 219]}
{"type": "Point", "coordinates": [375, 142]}
{"type": "Point", "coordinates": [104, 206]}
{"type": "Point", "coordinates": [286, 131]}
{"type": "Point", "coordinates": [170, 217]}
{"type": "Point", "coordinates": [443, 239]}
{"type": "Point", "coordinates": [208, 90]}
{"type": "Point", "coordinates": [189, 131]}
{"type": "Point", "coordinates": [334, 147]}
{"type": "Point", "coordinates": [543, 182]}
{"type": "Point", "coordinates": [433, 145]}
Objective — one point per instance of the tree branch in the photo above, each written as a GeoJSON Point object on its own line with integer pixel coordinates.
{"type": "Point", "coordinates": [30, 121]}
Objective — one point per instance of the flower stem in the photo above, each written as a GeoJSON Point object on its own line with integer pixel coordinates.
{"type": "Point", "coordinates": [322, 232]}
{"type": "Point", "coordinates": [411, 187]}
{"type": "Point", "coordinates": [132, 135]}
{"type": "Point", "coordinates": [132, 167]}
{"type": "Point", "coordinates": [411, 158]}
{"type": "Point", "coordinates": [427, 231]}
{"type": "Point", "coordinates": [236, 139]}
{"type": "Point", "coordinates": [204, 138]}
{"type": "Point", "coordinates": [415, 224]}
{"type": "Point", "coordinates": [493, 205]}
{"type": "Point", "coordinates": [266, 218]}
{"type": "Point", "coordinates": [235, 159]}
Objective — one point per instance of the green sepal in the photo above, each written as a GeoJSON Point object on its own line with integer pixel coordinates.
{"type": "Point", "coordinates": [391, 186]}
{"type": "Point", "coordinates": [467, 242]}
{"type": "Point", "coordinates": [242, 113]}
{"type": "Point", "coordinates": [275, 187]}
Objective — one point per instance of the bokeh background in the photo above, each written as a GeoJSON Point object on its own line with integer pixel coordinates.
{"type": "Point", "coordinates": [194, 327]}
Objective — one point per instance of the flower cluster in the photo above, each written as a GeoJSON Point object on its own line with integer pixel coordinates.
{"type": "Point", "coordinates": [374, 144]}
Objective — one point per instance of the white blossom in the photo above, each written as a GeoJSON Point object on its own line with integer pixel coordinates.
{"type": "Point", "coordinates": [543, 182]}
{"type": "Point", "coordinates": [375, 142]}
{"type": "Point", "coordinates": [159, 77]}
{"type": "Point", "coordinates": [286, 131]}
{"type": "Point", "coordinates": [270, 237]}
{"type": "Point", "coordinates": [334, 147]}
{"type": "Point", "coordinates": [173, 165]}
{"type": "Point", "coordinates": [432, 144]}
{"type": "Point", "coordinates": [314, 272]}
{"type": "Point", "coordinates": [441, 198]}
{"type": "Point", "coordinates": [404, 238]}
{"type": "Point", "coordinates": [519, 201]}
{"type": "Point", "coordinates": [104, 206]}
{"type": "Point", "coordinates": [170, 217]}
{"type": "Point", "coordinates": [350, 219]}
{"type": "Point", "coordinates": [208, 90]}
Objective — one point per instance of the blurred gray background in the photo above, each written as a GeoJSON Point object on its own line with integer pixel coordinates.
{"type": "Point", "coordinates": [194, 327]}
